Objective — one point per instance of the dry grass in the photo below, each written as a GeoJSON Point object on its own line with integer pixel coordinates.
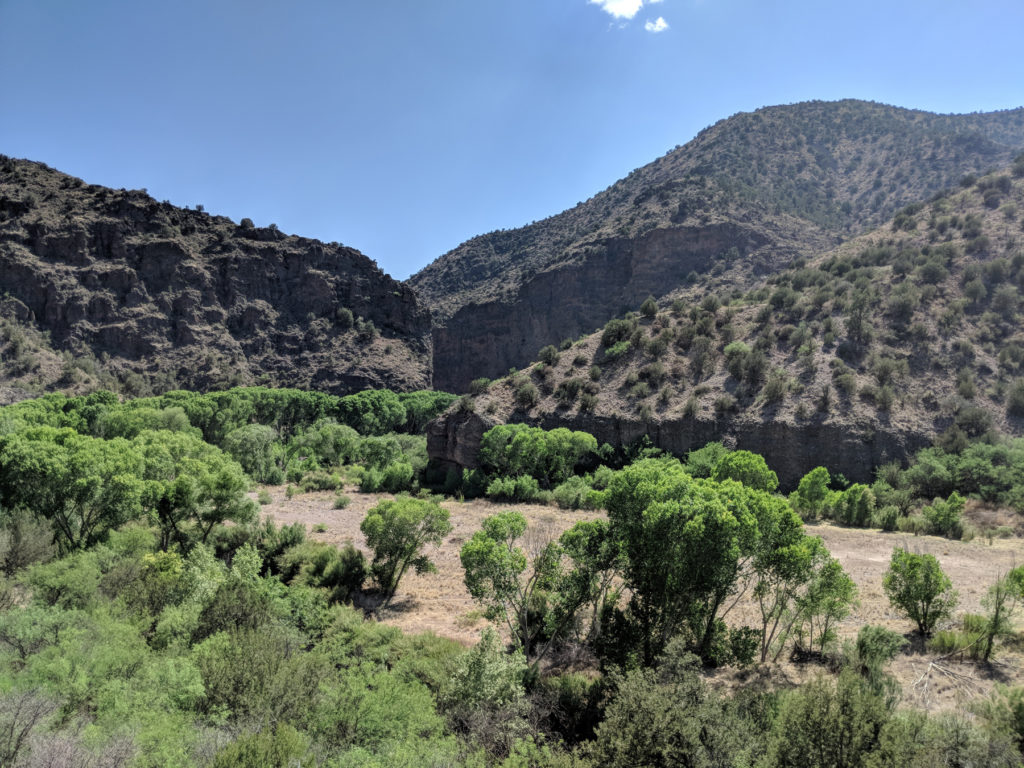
{"type": "Point", "coordinates": [440, 603]}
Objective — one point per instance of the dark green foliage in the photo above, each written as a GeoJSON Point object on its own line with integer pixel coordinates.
{"type": "Point", "coordinates": [1015, 398]}
{"type": "Point", "coordinates": [826, 724]}
{"type": "Point", "coordinates": [340, 571]}
{"type": "Point", "coordinates": [548, 355]}
{"type": "Point", "coordinates": [649, 308]}
{"type": "Point", "coordinates": [702, 462]}
{"type": "Point", "coordinates": [616, 331]}
{"type": "Point", "coordinates": [667, 717]}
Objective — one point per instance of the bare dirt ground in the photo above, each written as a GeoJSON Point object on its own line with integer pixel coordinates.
{"type": "Point", "coordinates": [440, 603]}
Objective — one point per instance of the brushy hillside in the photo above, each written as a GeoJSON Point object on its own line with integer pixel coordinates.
{"type": "Point", "coordinates": [113, 288]}
{"type": "Point", "coordinates": [899, 336]}
{"type": "Point", "coordinates": [745, 197]}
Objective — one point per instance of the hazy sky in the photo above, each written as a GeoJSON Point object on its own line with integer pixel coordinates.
{"type": "Point", "coordinates": [402, 128]}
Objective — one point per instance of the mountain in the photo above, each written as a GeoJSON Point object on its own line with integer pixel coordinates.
{"type": "Point", "coordinates": [745, 198]}
{"type": "Point", "coordinates": [910, 334]}
{"type": "Point", "coordinates": [113, 288]}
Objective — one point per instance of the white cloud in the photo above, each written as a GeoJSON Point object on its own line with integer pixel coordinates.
{"type": "Point", "coordinates": [652, 2]}
{"type": "Point", "coordinates": [620, 9]}
{"type": "Point", "coordinates": [660, 25]}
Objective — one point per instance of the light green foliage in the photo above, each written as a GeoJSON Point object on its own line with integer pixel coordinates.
{"type": "Point", "coordinates": [280, 747]}
{"type": "Point", "coordinates": [486, 675]}
{"type": "Point", "coordinates": [511, 450]}
{"type": "Point", "coordinates": [326, 441]}
{"type": "Point", "coordinates": [497, 577]}
{"type": "Point", "coordinates": [945, 516]}
{"type": "Point", "coordinates": [397, 531]}
{"type": "Point", "coordinates": [811, 493]}
{"type": "Point", "coordinates": [257, 449]}
{"type": "Point", "coordinates": [372, 411]}
{"type": "Point", "coordinates": [855, 506]}
{"type": "Point", "coordinates": [829, 596]}
{"type": "Point", "coordinates": [423, 406]}
{"type": "Point", "coordinates": [747, 468]}
{"type": "Point", "coordinates": [917, 586]}
{"type": "Point", "coordinates": [191, 487]}
{"type": "Point", "coordinates": [84, 486]}
{"type": "Point", "coordinates": [521, 489]}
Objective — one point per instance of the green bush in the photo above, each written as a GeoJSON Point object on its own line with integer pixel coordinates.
{"type": "Point", "coordinates": [944, 517]}
{"type": "Point", "coordinates": [523, 489]}
{"type": "Point", "coordinates": [572, 494]}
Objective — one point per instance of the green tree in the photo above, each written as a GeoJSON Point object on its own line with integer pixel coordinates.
{"type": "Point", "coordinates": [826, 724]}
{"type": "Point", "coordinates": [747, 468]}
{"type": "Point", "coordinates": [191, 487]}
{"type": "Point", "coordinates": [811, 493]}
{"type": "Point", "coordinates": [397, 531]}
{"type": "Point", "coordinates": [372, 411]}
{"type": "Point", "coordinates": [497, 576]}
{"type": "Point", "coordinates": [916, 585]}
{"type": "Point", "coordinates": [84, 486]}
{"type": "Point", "coordinates": [680, 544]}
{"type": "Point", "coordinates": [257, 448]}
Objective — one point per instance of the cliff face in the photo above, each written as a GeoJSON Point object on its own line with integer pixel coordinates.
{"type": "Point", "coordinates": [577, 296]}
{"type": "Point", "coordinates": [789, 449]}
{"type": "Point", "coordinates": [748, 194]}
{"type": "Point", "coordinates": [171, 297]}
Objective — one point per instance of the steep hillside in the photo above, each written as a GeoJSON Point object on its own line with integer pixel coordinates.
{"type": "Point", "coordinates": [852, 358]}
{"type": "Point", "coordinates": [744, 198]}
{"type": "Point", "coordinates": [112, 287]}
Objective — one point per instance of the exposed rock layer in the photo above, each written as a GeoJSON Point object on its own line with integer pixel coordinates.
{"type": "Point", "coordinates": [181, 298]}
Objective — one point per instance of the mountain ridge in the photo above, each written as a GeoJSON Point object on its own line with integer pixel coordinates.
{"type": "Point", "coordinates": [792, 178]}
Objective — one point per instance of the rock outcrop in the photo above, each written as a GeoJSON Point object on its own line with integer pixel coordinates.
{"type": "Point", "coordinates": [169, 297]}
{"type": "Point", "coordinates": [790, 449]}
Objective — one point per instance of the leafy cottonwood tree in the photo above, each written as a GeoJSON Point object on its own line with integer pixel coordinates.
{"type": "Point", "coordinates": [397, 531]}
{"type": "Point", "coordinates": [917, 585]}
{"type": "Point", "coordinates": [680, 545]}
{"type": "Point", "coordinates": [497, 576]}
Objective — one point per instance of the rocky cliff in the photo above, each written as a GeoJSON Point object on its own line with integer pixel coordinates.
{"type": "Point", "coordinates": [857, 356]}
{"type": "Point", "coordinates": [748, 195]}
{"type": "Point", "coordinates": [167, 297]}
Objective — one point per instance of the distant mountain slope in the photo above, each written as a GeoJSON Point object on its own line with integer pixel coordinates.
{"type": "Point", "coordinates": [747, 196]}
{"type": "Point", "coordinates": [114, 287]}
{"type": "Point", "coordinates": [911, 333]}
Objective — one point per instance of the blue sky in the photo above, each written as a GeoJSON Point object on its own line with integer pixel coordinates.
{"type": "Point", "coordinates": [404, 127]}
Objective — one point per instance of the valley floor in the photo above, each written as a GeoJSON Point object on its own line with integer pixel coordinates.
{"type": "Point", "coordinates": [440, 603]}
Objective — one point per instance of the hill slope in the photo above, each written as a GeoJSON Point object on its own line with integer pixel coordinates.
{"type": "Point", "coordinates": [858, 356]}
{"type": "Point", "coordinates": [112, 287]}
{"type": "Point", "coordinates": [745, 197]}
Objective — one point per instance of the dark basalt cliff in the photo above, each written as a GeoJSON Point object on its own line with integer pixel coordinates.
{"type": "Point", "coordinates": [173, 297]}
{"type": "Point", "coordinates": [790, 450]}
{"type": "Point", "coordinates": [579, 295]}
